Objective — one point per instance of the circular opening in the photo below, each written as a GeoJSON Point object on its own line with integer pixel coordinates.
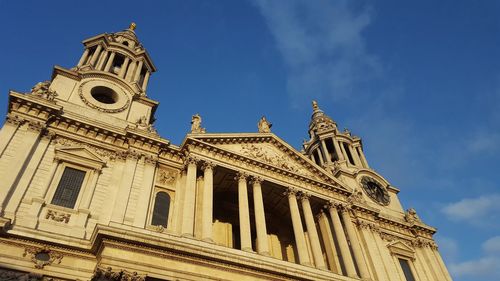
{"type": "Point", "coordinates": [104, 95]}
{"type": "Point", "coordinates": [42, 256]}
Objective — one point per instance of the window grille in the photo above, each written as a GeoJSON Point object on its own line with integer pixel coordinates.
{"type": "Point", "coordinates": [68, 188]}
{"type": "Point", "coordinates": [161, 208]}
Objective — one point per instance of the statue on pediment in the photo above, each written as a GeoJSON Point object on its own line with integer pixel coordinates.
{"type": "Point", "coordinates": [196, 125]}
{"type": "Point", "coordinates": [264, 126]}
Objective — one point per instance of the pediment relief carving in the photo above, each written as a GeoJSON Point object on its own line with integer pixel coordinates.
{"type": "Point", "coordinates": [269, 154]}
{"type": "Point", "coordinates": [399, 248]}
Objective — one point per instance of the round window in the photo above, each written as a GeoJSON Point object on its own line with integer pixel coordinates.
{"type": "Point", "coordinates": [104, 95]}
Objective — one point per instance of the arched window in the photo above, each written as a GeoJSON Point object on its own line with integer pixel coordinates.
{"type": "Point", "coordinates": [160, 211]}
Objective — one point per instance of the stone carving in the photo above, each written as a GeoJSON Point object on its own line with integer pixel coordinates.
{"type": "Point", "coordinates": [99, 151]}
{"type": "Point", "coordinates": [42, 256]}
{"type": "Point", "coordinates": [280, 161]}
{"type": "Point", "coordinates": [11, 275]}
{"type": "Point", "coordinates": [356, 197]}
{"type": "Point", "coordinates": [143, 124]}
{"type": "Point", "coordinates": [91, 104]}
{"type": "Point", "coordinates": [421, 243]}
{"type": "Point", "coordinates": [264, 126]}
{"type": "Point", "coordinates": [15, 120]}
{"type": "Point", "coordinates": [57, 216]}
{"type": "Point", "coordinates": [367, 225]}
{"type": "Point", "coordinates": [165, 177]}
{"type": "Point", "coordinates": [196, 125]}
{"type": "Point", "coordinates": [411, 216]}
{"type": "Point", "coordinates": [108, 274]}
{"type": "Point", "coordinates": [290, 192]}
{"type": "Point", "coordinates": [41, 89]}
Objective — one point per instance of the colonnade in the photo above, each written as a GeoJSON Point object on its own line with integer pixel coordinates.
{"type": "Point", "coordinates": [350, 253]}
{"type": "Point", "coordinates": [344, 152]}
{"type": "Point", "coordinates": [103, 60]}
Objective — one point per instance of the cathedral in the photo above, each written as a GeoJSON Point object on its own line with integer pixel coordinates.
{"type": "Point", "coordinates": [91, 191]}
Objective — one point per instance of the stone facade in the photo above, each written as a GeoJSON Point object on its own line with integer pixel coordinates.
{"type": "Point", "coordinates": [90, 191]}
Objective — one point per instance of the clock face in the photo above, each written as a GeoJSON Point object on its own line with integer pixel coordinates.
{"type": "Point", "coordinates": [375, 191]}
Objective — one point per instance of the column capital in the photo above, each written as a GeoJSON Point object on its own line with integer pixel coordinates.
{"type": "Point", "coordinates": [208, 165]}
{"type": "Point", "coordinates": [191, 160]}
{"type": "Point", "coordinates": [15, 120]}
{"type": "Point", "coordinates": [241, 176]}
{"type": "Point", "coordinates": [291, 191]}
{"type": "Point", "coordinates": [304, 195]}
{"type": "Point", "coordinates": [341, 206]}
{"type": "Point", "coordinates": [320, 214]}
{"type": "Point", "coordinates": [199, 178]}
{"type": "Point", "coordinates": [256, 180]}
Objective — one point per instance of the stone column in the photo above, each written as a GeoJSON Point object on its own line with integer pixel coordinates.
{"type": "Point", "coordinates": [95, 55]}
{"type": "Point", "coordinates": [207, 204]}
{"type": "Point", "coordinates": [260, 219]}
{"type": "Point", "coordinates": [339, 233]}
{"type": "Point", "coordinates": [321, 162]}
{"type": "Point", "coordinates": [363, 158]}
{"type": "Point", "coordinates": [138, 71]}
{"type": "Point", "coordinates": [102, 61]}
{"type": "Point", "coordinates": [130, 71]}
{"type": "Point", "coordinates": [344, 153]}
{"type": "Point", "coordinates": [326, 154]}
{"type": "Point", "coordinates": [110, 62]}
{"type": "Point", "coordinates": [8, 131]}
{"type": "Point", "coordinates": [189, 198]}
{"type": "Point", "coordinates": [330, 248]}
{"type": "Point", "coordinates": [355, 156]}
{"type": "Point", "coordinates": [23, 154]}
{"type": "Point", "coordinates": [355, 245]}
{"type": "Point", "coordinates": [27, 176]}
{"type": "Point", "coordinates": [83, 58]}
{"type": "Point", "coordinates": [313, 233]}
{"type": "Point", "coordinates": [244, 213]}
{"type": "Point", "coordinates": [338, 150]}
{"type": "Point", "coordinates": [123, 68]}
{"type": "Point", "coordinates": [124, 187]}
{"type": "Point", "coordinates": [145, 82]}
{"type": "Point", "coordinates": [148, 179]}
{"type": "Point", "coordinates": [298, 230]}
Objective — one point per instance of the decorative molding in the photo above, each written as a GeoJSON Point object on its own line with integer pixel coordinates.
{"type": "Point", "coordinates": [57, 216]}
{"type": "Point", "coordinates": [280, 161]}
{"type": "Point", "coordinates": [97, 107]}
{"type": "Point", "coordinates": [256, 180]}
{"type": "Point", "coordinates": [14, 120]}
{"type": "Point", "coordinates": [108, 274]}
{"type": "Point", "coordinates": [165, 177]}
{"type": "Point", "coordinates": [41, 89]}
{"type": "Point", "coordinates": [241, 176]}
{"type": "Point", "coordinates": [356, 197]}
{"type": "Point", "coordinates": [362, 224]}
{"type": "Point", "coordinates": [291, 191]}
{"type": "Point", "coordinates": [42, 256]}
{"type": "Point", "coordinates": [208, 165]}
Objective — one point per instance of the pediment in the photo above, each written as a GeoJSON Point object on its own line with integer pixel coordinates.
{"type": "Point", "coordinates": [400, 248]}
{"type": "Point", "coordinates": [81, 156]}
{"type": "Point", "coordinates": [271, 150]}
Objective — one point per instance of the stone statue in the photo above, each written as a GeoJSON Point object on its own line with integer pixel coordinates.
{"type": "Point", "coordinates": [196, 124]}
{"type": "Point", "coordinates": [264, 125]}
{"type": "Point", "coordinates": [41, 89]}
{"type": "Point", "coordinates": [143, 124]}
{"type": "Point", "coordinates": [411, 216]}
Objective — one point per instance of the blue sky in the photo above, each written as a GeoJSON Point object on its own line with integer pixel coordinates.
{"type": "Point", "coordinates": [419, 81]}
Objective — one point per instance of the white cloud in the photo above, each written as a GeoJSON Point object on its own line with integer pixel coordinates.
{"type": "Point", "coordinates": [474, 210]}
{"type": "Point", "coordinates": [486, 266]}
{"type": "Point", "coordinates": [492, 245]}
{"type": "Point", "coordinates": [322, 45]}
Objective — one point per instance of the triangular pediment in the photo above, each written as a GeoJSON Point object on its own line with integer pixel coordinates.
{"type": "Point", "coordinates": [271, 150]}
{"type": "Point", "coordinates": [400, 248]}
{"type": "Point", "coordinates": [81, 156]}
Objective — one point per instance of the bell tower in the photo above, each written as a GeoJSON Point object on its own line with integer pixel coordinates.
{"type": "Point", "coordinates": [110, 78]}
{"type": "Point", "coordinates": [331, 148]}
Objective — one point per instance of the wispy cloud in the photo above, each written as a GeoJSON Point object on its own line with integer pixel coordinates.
{"type": "Point", "coordinates": [474, 210]}
{"type": "Point", "coordinates": [322, 45]}
{"type": "Point", "coordinates": [484, 266]}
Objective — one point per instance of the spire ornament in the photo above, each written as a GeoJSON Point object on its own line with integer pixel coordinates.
{"type": "Point", "coordinates": [132, 26]}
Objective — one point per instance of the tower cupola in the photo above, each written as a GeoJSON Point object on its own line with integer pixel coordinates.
{"type": "Point", "coordinates": [120, 54]}
{"type": "Point", "coordinates": [330, 148]}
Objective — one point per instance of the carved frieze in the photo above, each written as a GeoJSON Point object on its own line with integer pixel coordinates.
{"type": "Point", "coordinates": [97, 150]}
{"type": "Point", "coordinates": [165, 177]}
{"type": "Point", "coordinates": [109, 274]}
{"type": "Point", "coordinates": [280, 161]}
{"type": "Point", "coordinates": [41, 89]}
{"type": "Point", "coordinates": [57, 216]}
{"type": "Point", "coordinates": [42, 256]}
